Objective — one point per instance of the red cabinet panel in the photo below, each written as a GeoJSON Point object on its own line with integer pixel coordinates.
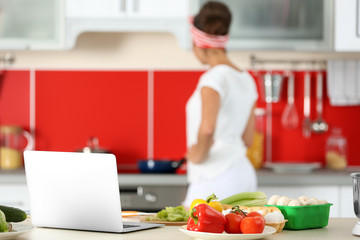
{"type": "Point", "coordinates": [71, 106]}
{"type": "Point", "coordinates": [172, 90]}
{"type": "Point", "coordinates": [14, 98]}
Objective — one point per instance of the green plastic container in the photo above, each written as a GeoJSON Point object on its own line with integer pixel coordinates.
{"type": "Point", "coordinates": [305, 217]}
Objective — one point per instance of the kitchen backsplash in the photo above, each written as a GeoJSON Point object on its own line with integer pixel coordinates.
{"type": "Point", "coordinates": [15, 98]}
{"type": "Point", "coordinates": [141, 114]}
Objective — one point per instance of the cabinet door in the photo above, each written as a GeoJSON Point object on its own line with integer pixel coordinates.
{"type": "Point", "coordinates": [172, 89]}
{"type": "Point", "coordinates": [158, 8]}
{"type": "Point", "coordinates": [15, 195]}
{"type": "Point", "coordinates": [279, 24]}
{"type": "Point", "coordinates": [329, 193]}
{"type": "Point", "coordinates": [347, 32]}
{"type": "Point", "coordinates": [95, 8]}
{"type": "Point", "coordinates": [31, 24]}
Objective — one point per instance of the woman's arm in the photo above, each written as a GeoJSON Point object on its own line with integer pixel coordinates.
{"type": "Point", "coordinates": [210, 107]}
{"type": "Point", "coordinates": [248, 134]}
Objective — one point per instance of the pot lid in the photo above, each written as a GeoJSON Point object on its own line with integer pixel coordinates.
{"type": "Point", "coordinates": [93, 146]}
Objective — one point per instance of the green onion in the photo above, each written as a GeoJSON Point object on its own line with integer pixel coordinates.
{"type": "Point", "coordinates": [248, 199]}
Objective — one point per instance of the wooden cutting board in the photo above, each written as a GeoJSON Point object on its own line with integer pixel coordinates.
{"type": "Point", "coordinates": [167, 223]}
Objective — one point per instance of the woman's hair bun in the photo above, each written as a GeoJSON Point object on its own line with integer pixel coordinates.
{"type": "Point", "coordinates": [213, 18]}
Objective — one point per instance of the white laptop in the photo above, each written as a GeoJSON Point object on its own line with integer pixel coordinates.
{"type": "Point", "coordinates": [76, 191]}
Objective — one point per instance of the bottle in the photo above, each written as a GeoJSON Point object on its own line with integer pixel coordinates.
{"type": "Point", "coordinates": [336, 150]}
{"type": "Point", "coordinates": [256, 152]}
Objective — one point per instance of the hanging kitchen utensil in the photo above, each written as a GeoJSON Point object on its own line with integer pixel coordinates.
{"type": "Point", "coordinates": [289, 118]}
{"type": "Point", "coordinates": [268, 87]}
{"type": "Point", "coordinates": [307, 122]}
{"type": "Point", "coordinates": [319, 125]}
{"type": "Point", "coordinates": [5, 62]}
{"type": "Point", "coordinates": [277, 81]}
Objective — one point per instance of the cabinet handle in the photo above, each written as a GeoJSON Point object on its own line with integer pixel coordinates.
{"type": "Point", "coordinates": [357, 30]}
{"type": "Point", "coordinates": [135, 5]}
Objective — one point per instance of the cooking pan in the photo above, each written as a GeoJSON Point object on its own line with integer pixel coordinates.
{"type": "Point", "coordinates": [159, 165]}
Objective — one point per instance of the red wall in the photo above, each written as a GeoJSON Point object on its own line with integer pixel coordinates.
{"type": "Point", "coordinates": [290, 145]}
{"type": "Point", "coordinates": [71, 106]}
{"type": "Point", "coordinates": [171, 92]}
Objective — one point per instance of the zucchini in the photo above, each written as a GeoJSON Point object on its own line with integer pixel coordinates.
{"type": "Point", "coordinates": [13, 214]}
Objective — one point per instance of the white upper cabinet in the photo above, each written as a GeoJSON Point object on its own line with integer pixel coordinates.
{"type": "Point", "coordinates": [347, 25]}
{"type": "Point", "coordinates": [158, 8]}
{"type": "Point", "coordinates": [31, 24]}
{"type": "Point", "coordinates": [95, 8]}
{"type": "Point", "coordinates": [127, 16]}
{"type": "Point", "coordinates": [126, 8]}
{"type": "Point", "coordinates": [300, 25]}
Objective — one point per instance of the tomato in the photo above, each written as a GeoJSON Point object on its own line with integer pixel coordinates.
{"type": "Point", "coordinates": [254, 224]}
{"type": "Point", "coordinates": [233, 222]}
{"type": "Point", "coordinates": [253, 214]}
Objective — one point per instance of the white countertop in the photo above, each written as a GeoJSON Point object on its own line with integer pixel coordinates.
{"type": "Point", "coordinates": [338, 228]}
{"type": "Point", "coordinates": [265, 178]}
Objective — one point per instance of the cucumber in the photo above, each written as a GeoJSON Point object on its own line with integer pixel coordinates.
{"type": "Point", "coordinates": [13, 214]}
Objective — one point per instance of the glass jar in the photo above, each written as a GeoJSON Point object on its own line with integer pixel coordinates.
{"type": "Point", "coordinates": [256, 152]}
{"type": "Point", "coordinates": [11, 148]}
{"type": "Point", "coordinates": [336, 150]}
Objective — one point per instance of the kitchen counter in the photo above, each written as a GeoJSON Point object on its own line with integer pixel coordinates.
{"type": "Point", "coordinates": [338, 228]}
{"type": "Point", "coordinates": [265, 178]}
{"type": "Point", "coordinates": [152, 192]}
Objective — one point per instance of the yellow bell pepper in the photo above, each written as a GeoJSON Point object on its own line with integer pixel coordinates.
{"type": "Point", "coordinates": [196, 202]}
{"type": "Point", "coordinates": [217, 205]}
{"type": "Point", "coordinates": [209, 201]}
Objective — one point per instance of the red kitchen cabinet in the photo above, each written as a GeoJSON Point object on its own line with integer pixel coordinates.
{"type": "Point", "coordinates": [172, 90]}
{"type": "Point", "coordinates": [15, 98]}
{"type": "Point", "coordinates": [72, 106]}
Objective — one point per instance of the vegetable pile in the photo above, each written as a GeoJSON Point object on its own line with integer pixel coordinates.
{"type": "Point", "coordinates": [204, 218]}
{"type": "Point", "coordinates": [209, 216]}
{"type": "Point", "coordinates": [300, 201]}
{"type": "Point", "coordinates": [10, 214]}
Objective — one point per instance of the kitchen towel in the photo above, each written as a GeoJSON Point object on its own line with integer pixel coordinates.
{"type": "Point", "coordinates": [343, 82]}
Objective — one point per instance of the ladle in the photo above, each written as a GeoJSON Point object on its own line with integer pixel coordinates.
{"type": "Point", "coordinates": [319, 125]}
{"type": "Point", "coordinates": [289, 118]}
{"type": "Point", "coordinates": [307, 90]}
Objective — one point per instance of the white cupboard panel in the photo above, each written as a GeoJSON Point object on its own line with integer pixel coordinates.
{"type": "Point", "coordinates": [158, 8]}
{"type": "Point", "coordinates": [346, 25]}
{"type": "Point", "coordinates": [347, 203]}
{"type": "Point", "coordinates": [95, 8]}
{"type": "Point", "coordinates": [15, 195]}
{"type": "Point", "coordinates": [31, 24]}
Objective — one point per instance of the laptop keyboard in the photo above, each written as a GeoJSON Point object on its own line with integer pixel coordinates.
{"type": "Point", "coordinates": [130, 226]}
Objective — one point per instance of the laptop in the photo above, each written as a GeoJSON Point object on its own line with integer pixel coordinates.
{"type": "Point", "coordinates": [72, 190]}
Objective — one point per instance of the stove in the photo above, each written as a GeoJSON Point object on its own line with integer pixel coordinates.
{"type": "Point", "coordinates": [151, 198]}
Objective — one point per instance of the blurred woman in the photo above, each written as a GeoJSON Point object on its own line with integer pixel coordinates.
{"type": "Point", "coordinates": [219, 114]}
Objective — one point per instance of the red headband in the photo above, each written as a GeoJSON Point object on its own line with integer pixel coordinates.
{"type": "Point", "coordinates": [205, 40]}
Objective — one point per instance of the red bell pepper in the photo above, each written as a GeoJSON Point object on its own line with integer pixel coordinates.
{"type": "Point", "coordinates": [205, 218]}
{"type": "Point", "coordinates": [191, 225]}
